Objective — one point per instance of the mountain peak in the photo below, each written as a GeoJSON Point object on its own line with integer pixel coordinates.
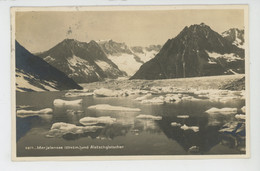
{"type": "Point", "coordinates": [235, 36]}
{"type": "Point", "coordinates": [93, 42]}
{"type": "Point", "coordinates": [195, 27]}
{"type": "Point", "coordinates": [203, 24]}
{"type": "Point", "coordinates": [69, 40]}
{"type": "Point", "coordinates": [188, 55]}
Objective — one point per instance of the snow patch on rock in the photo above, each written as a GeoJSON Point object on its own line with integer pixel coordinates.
{"type": "Point", "coordinates": [228, 56]}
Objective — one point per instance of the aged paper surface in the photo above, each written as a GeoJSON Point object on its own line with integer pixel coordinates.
{"type": "Point", "coordinates": [130, 82]}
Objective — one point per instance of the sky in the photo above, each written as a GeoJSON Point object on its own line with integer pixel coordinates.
{"type": "Point", "coordinates": [41, 30]}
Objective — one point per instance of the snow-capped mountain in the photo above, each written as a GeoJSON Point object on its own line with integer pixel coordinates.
{"type": "Point", "coordinates": [196, 51]}
{"type": "Point", "coordinates": [83, 62]}
{"type": "Point", "coordinates": [146, 53]}
{"type": "Point", "coordinates": [34, 74]}
{"type": "Point", "coordinates": [235, 36]}
{"type": "Point", "coordinates": [128, 59]}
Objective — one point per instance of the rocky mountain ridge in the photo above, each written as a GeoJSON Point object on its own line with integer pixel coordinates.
{"type": "Point", "coordinates": [196, 51]}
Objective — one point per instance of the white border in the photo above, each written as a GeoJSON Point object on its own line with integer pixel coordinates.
{"type": "Point", "coordinates": [213, 164]}
{"type": "Point", "coordinates": [127, 8]}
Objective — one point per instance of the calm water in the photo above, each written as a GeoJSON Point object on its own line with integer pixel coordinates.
{"type": "Point", "coordinates": [134, 136]}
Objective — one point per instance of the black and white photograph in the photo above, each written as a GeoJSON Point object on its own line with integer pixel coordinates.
{"type": "Point", "coordinates": [146, 82]}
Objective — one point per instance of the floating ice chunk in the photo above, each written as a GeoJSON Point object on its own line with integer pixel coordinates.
{"type": "Point", "coordinates": [60, 102]}
{"type": "Point", "coordinates": [156, 89]}
{"type": "Point", "coordinates": [158, 100]}
{"type": "Point", "coordinates": [103, 92]}
{"type": "Point", "coordinates": [169, 98]}
{"type": "Point", "coordinates": [202, 92]}
{"type": "Point", "coordinates": [63, 126]}
{"type": "Point", "coordinates": [193, 128]}
{"type": "Point", "coordinates": [60, 128]}
{"type": "Point", "coordinates": [224, 111]}
{"type": "Point", "coordinates": [190, 98]}
{"type": "Point", "coordinates": [46, 111]}
{"type": "Point", "coordinates": [137, 91]}
{"type": "Point", "coordinates": [27, 113]}
{"type": "Point", "coordinates": [167, 89]}
{"type": "Point", "coordinates": [175, 124]}
{"type": "Point", "coordinates": [23, 106]}
{"type": "Point", "coordinates": [222, 96]}
{"type": "Point", "coordinates": [183, 116]}
{"type": "Point", "coordinates": [194, 149]}
{"type": "Point", "coordinates": [149, 117]}
{"type": "Point", "coordinates": [109, 107]}
{"type": "Point", "coordinates": [79, 91]}
{"type": "Point", "coordinates": [172, 98]}
{"type": "Point", "coordinates": [240, 116]}
{"type": "Point", "coordinates": [243, 109]}
{"type": "Point", "coordinates": [243, 94]}
{"type": "Point", "coordinates": [144, 97]}
{"type": "Point", "coordinates": [227, 99]}
{"type": "Point", "coordinates": [74, 94]}
{"type": "Point", "coordinates": [93, 120]}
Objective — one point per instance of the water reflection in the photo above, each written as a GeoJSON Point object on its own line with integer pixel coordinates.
{"type": "Point", "coordinates": [129, 129]}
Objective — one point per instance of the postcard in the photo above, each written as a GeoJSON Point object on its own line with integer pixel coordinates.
{"type": "Point", "coordinates": [130, 82]}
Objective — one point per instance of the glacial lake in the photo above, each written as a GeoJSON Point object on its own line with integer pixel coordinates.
{"type": "Point", "coordinates": [129, 135]}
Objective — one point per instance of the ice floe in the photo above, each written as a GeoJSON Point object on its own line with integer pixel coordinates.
{"type": "Point", "coordinates": [183, 116]}
{"type": "Point", "coordinates": [224, 111]}
{"type": "Point", "coordinates": [240, 116]}
{"type": "Point", "coordinates": [23, 106]}
{"type": "Point", "coordinates": [193, 128]}
{"type": "Point", "coordinates": [77, 94]}
{"type": "Point", "coordinates": [222, 96]}
{"type": "Point", "coordinates": [97, 120]}
{"type": "Point", "coordinates": [194, 149]}
{"type": "Point", "coordinates": [190, 98]}
{"type": "Point", "coordinates": [243, 109]}
{"type": "Point", "coordinates": [169, 89]}
{"type": "Point", "coordinates": [61, 128]}
{"type": "Point", "coordinates": [79, 91]}
{"type": "Point", "coordinates": [103, 92]}
{"type": "Point", "coordinates": [169, 98]}
{"type": "Point", "coordinates": [116, 108]}
{"type": "Point", "coordinates": [175, 124]}
{"type": "Point", "coordinates": [173, 97]}
{"type": "Point", "coordinates": [151, 117]}
{"type": "Point", "coordinates": [27, 113]}
{"type": "Point", "coordinates": [144, 97]}
{"type": "Point", "coordinates": [60, 102]}
{"type": "Point", "coordinates": [158, 100]}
